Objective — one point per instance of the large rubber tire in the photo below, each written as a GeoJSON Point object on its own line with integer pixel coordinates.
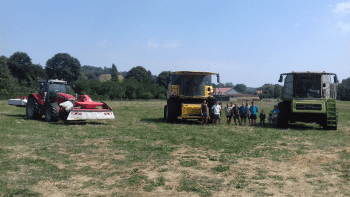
{"type": "Point", "coordinates": [171, 110]}
{"type": "Point", "coordinates": [32, 108]}
{"type": "Point", "coordinates": [165, 112]}
{"type": "Point", "coordinates": [51, 112]}
{"type": "Point", "coordinates": [283, 116]}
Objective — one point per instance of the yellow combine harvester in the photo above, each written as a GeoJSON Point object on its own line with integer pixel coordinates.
{"type": "Point", "coordinates": [186, 92]}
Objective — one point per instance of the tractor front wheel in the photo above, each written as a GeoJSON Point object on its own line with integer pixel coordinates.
{"type": "Point", "coordinates": [32, 108]}
{"type": "Point", "coordinates": [51, 112]}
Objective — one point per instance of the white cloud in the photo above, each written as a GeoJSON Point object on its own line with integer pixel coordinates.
{"type": "Point", "coordinates": [343, 27]}
{"type": "Point", "coordinates": [171, 44]}
{"type": "Point", "coordinates": [342, 8]}
{"type": "Point", "coordinates": [152, 43]}
{"type": "Point", "coordinates": [296, 24]}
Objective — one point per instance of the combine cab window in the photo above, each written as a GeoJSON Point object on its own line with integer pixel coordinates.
{"type": "Point", "coordinates": [194, 85]}
{"type": "Point", "coordinates": [307, 86]}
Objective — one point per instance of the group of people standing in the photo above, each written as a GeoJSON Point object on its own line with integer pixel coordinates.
{"type": "Point", "coordinates": [238, 114]}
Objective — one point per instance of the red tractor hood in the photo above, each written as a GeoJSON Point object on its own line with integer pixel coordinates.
{"type": "Point", "coordinates": [67, 96]}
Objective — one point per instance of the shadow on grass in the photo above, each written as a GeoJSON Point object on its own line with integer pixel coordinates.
{"type": "Point", "coordinates": [60, 122]}
{"type": "Point", "coordinates": [293, 126]}
{"type": "Point", "coordinates": [297, 126]}
{"type": "Point", "coordinates": [17, 115]}
{"type": "Point", "coordinates": [178, 121]}
{"type": "Point", "coordinates": [77, 122]}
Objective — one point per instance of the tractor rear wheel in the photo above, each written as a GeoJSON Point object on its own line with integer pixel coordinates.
{"type": "Point", "coordinates": [51, 112]}
{"type": "Point", "coordinates": [32, 108]}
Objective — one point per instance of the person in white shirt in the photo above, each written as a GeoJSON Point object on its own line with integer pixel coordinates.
{"type": "Point", "coordinates": [216, 110]}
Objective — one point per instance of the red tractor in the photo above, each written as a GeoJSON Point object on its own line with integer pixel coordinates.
{"type": "Point", "coordinates": [55, 103]}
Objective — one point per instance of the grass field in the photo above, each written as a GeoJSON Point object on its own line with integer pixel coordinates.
{"type": "Point", "coordinates": [138, 154]}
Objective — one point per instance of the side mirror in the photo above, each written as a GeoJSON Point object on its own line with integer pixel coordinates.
{"type": "Point", "coordinates": [281, 79]}
{"type": "Point", "coordinates": [41, 85]}
{"type": "Point", "coordinates": [218, 77]}
{"type": "Point", "coordinates": [170, 78]}
{"type": "Point", "coordinates": [324, 85]}
{"type": "Point", "coordinates": [336, 79]}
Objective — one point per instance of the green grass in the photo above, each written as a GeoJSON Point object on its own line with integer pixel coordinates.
{"type": "Point", "coordinates": [35, 152]}
{"type": "Point", "coordinates": [189, 163]}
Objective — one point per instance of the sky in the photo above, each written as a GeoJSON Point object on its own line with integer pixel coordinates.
{"type": "Point", "coordinates": [247, 42]}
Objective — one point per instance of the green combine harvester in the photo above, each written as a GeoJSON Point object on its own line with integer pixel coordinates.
{"type": "Point", "coordinates": [308, 97]}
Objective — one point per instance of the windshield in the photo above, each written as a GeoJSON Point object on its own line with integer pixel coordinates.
{"type": "Point", "coordinates": [194, 85]}
{"type": "Point", "coordinates": [61, 88]}
{"type": "Point", "coordinates": [307, 86]}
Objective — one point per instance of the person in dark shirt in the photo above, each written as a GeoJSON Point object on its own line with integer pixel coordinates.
{"type": "Point", "coordinates": [243, 113]}
{"type": "Point", "coordinates": [262, 117]}
{"type": "Point", "coordinates": [204, 112]}
{"type": "Point", "coordinates": [235, 113]}
{"type": "Point", "coordinates": [228, 111]}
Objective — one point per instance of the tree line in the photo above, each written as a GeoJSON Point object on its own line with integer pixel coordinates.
{"type": "Point", "coordinates": [19, 76]}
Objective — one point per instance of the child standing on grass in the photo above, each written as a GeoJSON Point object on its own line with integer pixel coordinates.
{"type": "Point", "coordinates": [270, 118]}
{"type": "Point", "coordinates": [262, 117]}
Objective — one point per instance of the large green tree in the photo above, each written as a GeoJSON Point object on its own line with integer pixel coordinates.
{"type": "Point", "coordinates": [37, 71]}
{"type": "Point", "coordinates": [19, 64]}
{"type": "Point", "coordinates": [140, 74]}
{"type": "Point", "coordinates": [63, 66]}
{"type": "Point", "coordinates": [240, 88]}
{"type": "Point", "coordinates": [8, 83]}
{"type": "Point", "coordinates": [114, 73]}
{"type": "Point", "coordinates": [343, 90]}
{"type": "Point", "coordinates": [163, 79]}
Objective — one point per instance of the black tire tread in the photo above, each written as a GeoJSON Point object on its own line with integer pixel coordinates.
{"type": "Point", "coordinates": [54, 115]}
{"type": "Point", "coordinates": [35, 114]}
{"type": "Point", "coordinates": [283, 116]}
{"type": "Point", "coordinates": [172, 111]}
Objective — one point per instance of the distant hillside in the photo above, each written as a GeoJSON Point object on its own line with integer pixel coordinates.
{"type": "Point", "coordinates": [105, 77]}
{"type": "Point", "coordinates": [108, 77]}
{"type": "Point", "coordinates": [120, 78]}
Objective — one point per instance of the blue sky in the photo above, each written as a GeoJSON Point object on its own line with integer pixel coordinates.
{"type": "Point", "coordinates": [249, 42]}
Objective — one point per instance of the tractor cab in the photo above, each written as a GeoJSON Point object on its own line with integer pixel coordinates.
{"type": "Point", "coordinates": [50, 88]}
